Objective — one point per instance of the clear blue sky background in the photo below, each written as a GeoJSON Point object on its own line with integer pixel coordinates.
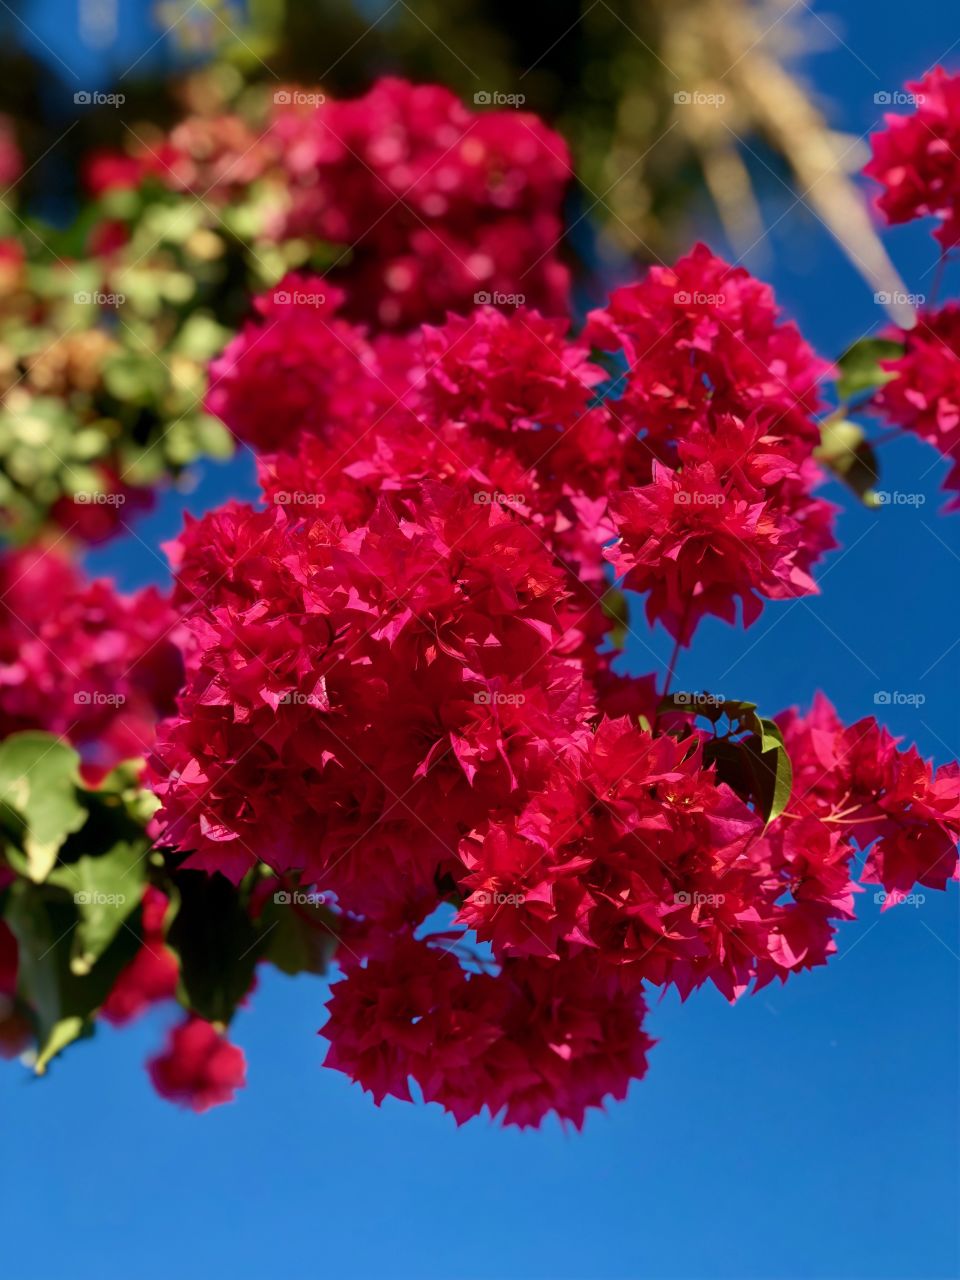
{"type": "Point", "coordinates": [809, 1132]}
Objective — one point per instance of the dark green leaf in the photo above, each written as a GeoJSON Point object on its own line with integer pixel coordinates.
{"type": "Point", "coordinates": [299, 937]}
{"type": "Point", "coordinates": [217, 944]}
{"type": "Point", "coordinates": [757, 767]}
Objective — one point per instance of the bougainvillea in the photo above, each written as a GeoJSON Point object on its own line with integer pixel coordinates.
{"type": "Point", "coordinates": [425, 202]}
{"type": "Point", "coordinates": [152, 974]}
{"type": "Point", "coordinates": [917, 385]}
{"type": "Point", "coordinates": [79, 660]}
{"type": "Point", "coordinates": [394, 691]}
{"type": "Point", "coordinates": [199, 1067]}
{"type": "Point", "coordinates": [397, 733]}
{"type": "Point", "coordinates": [916, 157]}
{"type": "Point", "coordinates": [414, 204]}
{"type": "Point", "coordinates": [922, 393]}
{"type": "Point", "coordinates": [438, 203]}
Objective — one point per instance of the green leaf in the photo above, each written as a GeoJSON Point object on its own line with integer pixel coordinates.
{"type": "Point", "coordinates": [217, 944]}
{"type": "Point", "coordinates": [756, 766]}
{"type": "Point", "coordinates": [64, 1002]}
{"type": "Point", "coordinates": [845, 450]}
{"type": "Point", "coordinates": [201, 337]}
{"type": "Point", "coordinates": [860, 366]}
{"type": "Point", "coordinates": [123, 783]}
{"type": "Point", "coordinates": [299, 937]}
{"type": "Point", "coordinates": [135, 378]}
{"type": "Point", "coordinates": [770, 769]}
{"type": "Point", "coordinates": [729, 759]}
{"type": "Point", "coordinates": [106, 889]}
{"type": "Point", "coordinates": [63, 1033]}
{"type": "Point", "coordinates": [39, 777]}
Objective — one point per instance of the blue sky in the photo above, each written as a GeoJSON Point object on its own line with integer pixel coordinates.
{"type": "Point", "coordinates": [808, 1132]}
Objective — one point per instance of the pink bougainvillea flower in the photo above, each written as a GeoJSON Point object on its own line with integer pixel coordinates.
{"type": "Point", "coordinates": [923, 393]}
{"type": "Point", "coordinates": [152, 974]}
{"type": "Point", "coordinates": [916, 159]}
{"type": "Point", "coordinates": [442, 206]}
{"type": "Point", "coordinates": [536, 1039]}
{"type": "Point", "coordinates": [199, 1068]}
{"type": "Point", "coordinates": [889, 802]}
{"type": "Point", "coordinates": [81, 660]}
{"type": "Point", "coordinates": [397, 694]}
